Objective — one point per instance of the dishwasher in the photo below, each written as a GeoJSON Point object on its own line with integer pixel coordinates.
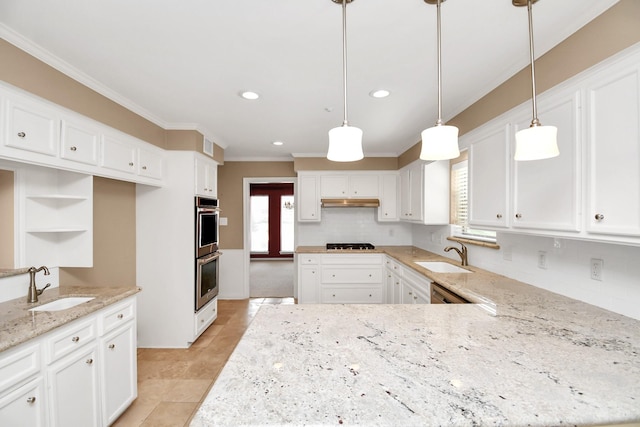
{"type": "Point", "coordinates": [441, 295]}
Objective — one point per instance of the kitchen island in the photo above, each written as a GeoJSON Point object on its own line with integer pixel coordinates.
{"type": "Point", "coordinates": [537, 358]}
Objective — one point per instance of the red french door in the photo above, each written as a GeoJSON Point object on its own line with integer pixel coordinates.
{"type": "Point", "coordinates": [271, 220]}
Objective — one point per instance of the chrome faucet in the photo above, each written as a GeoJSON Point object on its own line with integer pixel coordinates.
{"type": "Point", "coordinates": [32, 296]}
{"type": "Point", "coordinates": [462, 253]}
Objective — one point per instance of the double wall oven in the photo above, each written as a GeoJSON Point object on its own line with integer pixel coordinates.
{"type": "Point", "coordinates": [207, 214]}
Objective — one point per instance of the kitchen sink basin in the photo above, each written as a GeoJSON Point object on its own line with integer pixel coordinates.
{"type": "Point", "coordinates": [442, 267]}
{"type": "Point", "coordinates": [62, 304]}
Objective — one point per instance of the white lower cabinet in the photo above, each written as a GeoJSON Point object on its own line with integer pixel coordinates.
{"type": "Point", "coordinates": [81, 374]}
{"type": "Point", "coordinates": [308, 278]}
{"type": "Point", "coordinates": [206, 316]}
{"type": "Point", "coordinates": [393, 281]}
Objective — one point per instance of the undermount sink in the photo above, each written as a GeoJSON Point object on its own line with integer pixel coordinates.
{"type": "Point", "coordinates": [442, 267]}
{"type": "Point", "coordinates": [62, 304]}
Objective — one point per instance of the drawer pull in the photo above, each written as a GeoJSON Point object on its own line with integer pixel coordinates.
{"type": "Point", "coordinates": [31, 399]}
{"type": "Point", "coordinates": [73, 148]}
{"type": "Point", "coordinates": [112, 346]}
{"type": "Point", "coordinates": [499, 216]}
{"type": "Point", "coordinates": [89, 361]}
{"type": "Point", "coordinates": [21, 134]}
{"type": "Point", "coordinates": [75, 339]}
{"type": "Point", "coordinates": [120, 316]}
{"type": "Point", "coordinates": [130, 163]}
{"type": "Point", "coordinates": [334, 295]}
{"type": "Point", "coordinates": [599, 217]}
{"type": "Point", "coordinates": [518, 215]}
{"type": "Point", "coordinates": [144, 168]}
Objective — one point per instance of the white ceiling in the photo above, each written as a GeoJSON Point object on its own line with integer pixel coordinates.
{"type": "Point", "coordinates": [182, 63]}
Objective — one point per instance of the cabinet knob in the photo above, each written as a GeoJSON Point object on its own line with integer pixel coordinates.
{"type": "Point", "coordinates": [130, 163]}
{"type": "Point", "coordinates": [370, 275]}
{"type": "Point", "coordinates": [120, 316]}
{"type": "Point", "coordinates": [75, 339]}
{"type": "Point", "coordinates": [112, 346]}
{"type": "Point", "coordinates": [334, 295]}
{"type": "Point", "coordinates": [518, 215]}
{"type": "Point", "coordinates": [499, 216]}
{"type": "Point", "coordinates": [89, 361]}
{"type": "Point", "coordinates": [21, 134]}
{"type": "Point", "coordinates": [410, 293]}
{"type": "Point", "coordinates": [599, 217]}
{"type": "Point", "coordinates": [74, 148]}
{"type": "Point", "coordinates": [333, 275]}
{"type": "Point", "coordinates": [144, 168]}
{"type": "Point", "coordinates": [370, 295]}
{"type": "Point", "coordinates": [385, 214]}
{"type": "Point", "coordinates": [31, 399]}
{"type": "Point", "coordinates": [415, 297]}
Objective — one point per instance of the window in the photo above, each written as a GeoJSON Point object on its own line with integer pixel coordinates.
{"type": "Point", "coordinates": [460, 203]}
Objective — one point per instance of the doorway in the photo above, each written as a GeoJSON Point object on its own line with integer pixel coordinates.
{"type": "Point", "coordinates": [271, 220]}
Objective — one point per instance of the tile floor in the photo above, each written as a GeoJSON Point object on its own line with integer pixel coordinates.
{"type": "Point", "coordinates": [173, 382]}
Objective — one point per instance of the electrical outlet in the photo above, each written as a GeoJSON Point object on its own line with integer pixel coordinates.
{"type": "Point", "coordinates": [597, 266]}
{"type": "Point", "coordinates": [542, 260]}
{"type": "Point", "coordinates": [507, 253]}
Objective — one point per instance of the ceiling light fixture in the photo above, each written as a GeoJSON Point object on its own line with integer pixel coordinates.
{"type": "Point", "coordinates": [345, 142]}
{"type": "Point", "coordinates": [439, 142]}
{"type": "Point", "coordinates": [251, 96]}
{"type": "Point", "coordinates": [380, 93]}
{"type": "Point", "coordinates": [537, 141]}
{"type": "Point", "coordinates": [278, 143]}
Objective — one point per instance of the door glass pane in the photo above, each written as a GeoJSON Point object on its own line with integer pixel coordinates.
{"type": "Point", "coordinates": [259, 224]}
{"type": "Point", "coordinates": [286, 224]}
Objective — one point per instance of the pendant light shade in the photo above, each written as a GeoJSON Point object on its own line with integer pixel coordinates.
{"type": "Point", "coordinates": [345, 142]}
{"type": "Point", "coordinates": [439, 142]}
{"type": "Point", "coordinates": [537, 142]}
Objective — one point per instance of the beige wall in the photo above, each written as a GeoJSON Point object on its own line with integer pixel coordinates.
{"type": "Point", "coordinates": [6, 219]}
{"type": "Point", "coordinates": [611, 32]}
{"type": "Point", "coordinates": [230, 193]}
{"type": "Point", "coordinates": [114, 238]}
{"type": "Point", "coordinates": [368, 163]}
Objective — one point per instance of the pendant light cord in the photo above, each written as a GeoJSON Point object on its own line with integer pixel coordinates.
{"type": "Point", "coordinates": [439, 121]}
{"type": "Point", "coordinates": [344, 59]}
{"type": "Point", "coordinates": [534, 121]}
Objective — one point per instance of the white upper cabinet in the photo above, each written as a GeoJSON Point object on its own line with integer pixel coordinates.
{"type": "Point", "coordinates": [308, 200]}
{"type": "Point", "coordinates": [118, 155]}
{"type": "Point", "coordinates": [388, 210]}
{"type": "Point", "coordinates": [31, 126]}
{"type": "Point", "coordinates": [79, 142]}
{"type": "Point", "coordinates": [489, 177]}
{"type": "Point", "coordinates": [352, 186]}
{"type": "Point", "coordinates": [424, 192]}
{"type": "Point", "coordinates": [613, 153]}
{"type": "Point", "coordinates": [206, 177]}
{"type": "Point", "coordinates": [546, 193]}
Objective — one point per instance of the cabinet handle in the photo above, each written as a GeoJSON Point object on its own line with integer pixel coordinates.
{"type": "Point", "coordinates": [518, 215]}
{"type": "Point", "coordinates": [31, 399]}
{"type": "Point", "coordinates": [599, 217]}
{"type": "Point", "coordinates": [89, 361]}
{"type": "Point", "coordinates": [333, 275]}
{"type": "Point", "coordinates": [499, 216]}
{"type": "Point", "coordinates": [75, 339]}
{"type": "Point", "coordinates": [370, 295]}
{"type": "Point", "coordinates": [112, 346]}
{"type": "Point", "coordinates": [410, 293]}
{"type": "Point", "coordinates": [415, 297]}
{"type": "Point", "coordinates": [21, 134]}
{"type": "Point", "coordinates": [130, 163]}
{"type": "Point", "coordinates": [334, 295]}
{"type": "Point", "coordinates": [144, 168]}
{"type": "Point", "coordinates": [385, 214]}
{"type": "Point", "coordinates": [120, 316]}
{"type": "Point", "coordinates": [73, 148]}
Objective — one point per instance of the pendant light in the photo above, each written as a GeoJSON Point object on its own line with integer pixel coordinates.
{"type": "Point", "coordinates": [439, 142]}
{"type": "Point", "coordinates": [537, 141]}
{"type": "Point", "coordinates": [345, 142]}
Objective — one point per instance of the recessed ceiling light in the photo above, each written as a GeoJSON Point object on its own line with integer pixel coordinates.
{"type": "Point", "coordinates": [380, 93]}
{"type": "Point", "coordinates": [278, 143]}
{"type": "Point", "coordinates": [249, 95]}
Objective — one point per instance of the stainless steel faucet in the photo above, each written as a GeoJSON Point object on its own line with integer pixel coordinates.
{"type": "Point", "coordinates": [32, 296]}
{"type": "Point", "coordinates": [462, 253]}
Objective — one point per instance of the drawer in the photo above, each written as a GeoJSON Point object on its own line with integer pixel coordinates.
{"type": "Point", "coordinates": [392, 265]}
{"type": "Point", "coordinates": [206, 316]}
{"type": "Point", "coordinates": [352, 259]}
{"type": "Point", "coordinates": [117, 315]}
{"type": "Point", "coordinates": [70, 338]}
{"type": "Point", "coordinates": [308, 259]}
{"type": "Point", "coordinates": [351, 295]}
{"type": "Point", "coordinates": [79, 144]}
{"type": "Point", "coordinates": [353, 274]}
{"type": "Point", "coordinates": [18, 364]}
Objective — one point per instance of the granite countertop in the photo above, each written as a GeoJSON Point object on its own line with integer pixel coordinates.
{"type": "Point", "coordinates": [18, 324]}
{"type": "Point", "coordinates": [8, 272]}
{"type": "Point", "coordinates": [538, 359]}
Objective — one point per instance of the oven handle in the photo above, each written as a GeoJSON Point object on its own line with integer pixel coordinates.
{"type": "Point", "coordinates": [209, 210]}
{"type": "Point", "coordinates": [208, 259]}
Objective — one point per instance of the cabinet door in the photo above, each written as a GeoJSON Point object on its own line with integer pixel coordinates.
{"type": "Point", "coordinates": [24, 406]}
{"type": "Point", "coordinates": [308, 201]}
{"type": "Point", "coordinates": [308, 284]}
{"type": "Point", "coordinates": [206, 178]}
{"type": "Point", "coordinates": [416, 193]}
{"type": "Point", "coordinates": [405, 194]}
{"type": "Point", "coordinates": [119, 372]}
{"type": "Point", "coordinates": [73, 389]}
{"type": "Point", "coordinates": [392, 290]}
{"type": "Point", "coordinates": [613, 173]}
{"type": "Point", "coordinates": [489, 178]}
{"type": "Point", "coordinates": [118, 155]}
{"type": "Point", "coordinates": [363, 186]}
{"type": "Point", "coordinates": [149, 164]}
{"type": "Point", "coordinates": [546, 193]}
{"type": "Point", "coordinates": [79, 143]}
{"type": "Point", "coordinates": [388, 210]}
{"type": "Point", "coordinates": [334, 186]}
{"type": "Point", "coordinates": [31, 126]}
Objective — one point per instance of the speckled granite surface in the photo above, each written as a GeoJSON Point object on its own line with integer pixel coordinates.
{"type": "Point", "coordinates": [541, 359]}
{"type": "Point", "coordinates": [18, 324]}
{"type": "Point", "coordinates": [8, 272]}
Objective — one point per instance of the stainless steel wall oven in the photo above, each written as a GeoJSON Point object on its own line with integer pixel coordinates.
{"type": "Point", "coordinates": [207, 257]}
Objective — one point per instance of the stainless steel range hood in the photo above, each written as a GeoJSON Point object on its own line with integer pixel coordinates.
{"type": "Point", "coordinates": [350, 203]}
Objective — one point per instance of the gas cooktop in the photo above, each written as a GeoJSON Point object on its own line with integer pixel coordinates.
{"type": "Point", "coordinates": [350, 246]}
